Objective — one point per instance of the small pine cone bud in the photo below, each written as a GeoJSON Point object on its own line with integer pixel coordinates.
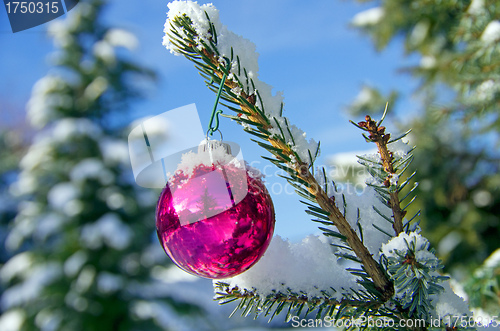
{"type": "Point", "coordinates": [387, 137]}
{"type": "Point", "coordinates": [368, 118]}
{"type": "Point", "coordinates": [387, 183]}
{"type": "Point", "coordinates": [381, 129]}
{"type": "Point", "coordinates": [303, 169]}
{"type": "Point", "coordinates": [251, 99]}
{"type": "Point", "coordinates": [362, 124]}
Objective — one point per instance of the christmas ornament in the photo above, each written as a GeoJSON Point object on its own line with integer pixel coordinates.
{"type": "Point", "coordinates": [214, 218]}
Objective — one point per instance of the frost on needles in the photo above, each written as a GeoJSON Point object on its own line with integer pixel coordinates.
{"type": "Point", "coordinates": [371, 260]}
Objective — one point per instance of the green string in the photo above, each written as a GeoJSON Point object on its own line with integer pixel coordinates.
{"type": "Point", "coordinates": [215, 112]}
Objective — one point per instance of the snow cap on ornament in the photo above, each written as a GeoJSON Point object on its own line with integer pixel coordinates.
{"type": "Point", "coordinates": [174, 142]}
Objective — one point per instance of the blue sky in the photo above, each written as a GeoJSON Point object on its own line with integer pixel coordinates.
{"type": "Point", "coordinates": [307, 50]}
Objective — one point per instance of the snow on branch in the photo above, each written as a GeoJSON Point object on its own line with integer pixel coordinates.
{"type": "Point", "coordinates": [288, 267]}
{"type": "Point", "coordinates": [209, 35]}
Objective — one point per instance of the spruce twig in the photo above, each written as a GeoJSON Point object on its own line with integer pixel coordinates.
{"type": "Point", "coordinates": [251, 302]}
{"type": "Point", "coordinates": [381, 139]}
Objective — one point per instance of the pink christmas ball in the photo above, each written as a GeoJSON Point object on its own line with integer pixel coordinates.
{"type": "Point", "coordinates": [216, 222]}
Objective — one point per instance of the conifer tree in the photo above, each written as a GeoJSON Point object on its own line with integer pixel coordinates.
{"type": "Point", "coordinates": [458, 128]}
{"type": "Point", "coordinates": [82, 237]}
{"type": "Point", "coordinates": [10, 150]}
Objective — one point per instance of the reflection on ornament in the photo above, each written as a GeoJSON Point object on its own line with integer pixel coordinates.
{"type": "Point", "coordinates": [216, 219]}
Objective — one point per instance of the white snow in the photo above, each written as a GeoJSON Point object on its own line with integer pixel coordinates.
{"type": "Point", "coordinates": [58, 29]}
{"type": "Point", "coordinates": [12, 320]}
{"type": "Point", "coordinates": [400, 243]}
{"type": "Point", "coordinates": [74, 263]}
{"type": "Point", "coordinates": [38, 153]}
{"type": "Point", "coordinates": [393, 179]}
{"type": "Point", "coordinates": [172, 274]}
{"type": "Point", "coordinates": [121, 38]}
{"type": "Point", "coordinates": [493, 261]}
{"type": "Point", "coordinates": [449, 242]}
{"type": "Point", "coordinates": [68, 128]}
{"type": "Point", "coordinates": [196, 13]}
{"type": "Point", "coordinates": [345, 165]}
{"type": "Point", "coordinates": [165, 316]}
{"type": "Point", "coordinates": [368, 17]}
{"type": "Point", "coordinates": [399, 148]}
{"type": "Point", "coordinates": [309, 266]}
{"type": "Point", "coordinates": [217, 155]}
{"type": "Point", "coordinates": [485, 320]}
{"type": "Point", "coordinates": [35, 280]}
{"type": "Point", "coordinates": [91, 168]}
{"type": "Point", "coordinates": [104, 50]}
{"type": "Point", "coordinates": [482, 198]}
{"type": "Point", "coordinates": [114, 151]}
{"type": "Point", "coordinates": [372, 237]}
{"type": "Point", "coordinates": [18, 265]}
{"type": "Point", "coordinates": [491, 33]}
{"type": "Point", "coordinates": [45, 98]}
{"type": "Point", "coordinates": [24, 223]}
{"type": "Point", "coordinates": [419, 33]}
{"type": "Point", "coordinates": [450, 304]}
{"type": "Point", "coordinates": [109, 230]}
{"type": "Point", "coordinates": [48, 224]}
{"type": "Point", "coordinates": [75, 301]}
{"type": "Point", "coordinates": [98, 86]}
{"type": "Point", "coordinates": [476, 7]}
{"type": "Point", "coordinates": [115, 200]}
{"type": "Point", "coordinates": [374, 157]}
{"type": "Point", "coordinates": [364, 97]}
{"type": "Point", "coordinates": [108, 283]}
{"type": "Point", "coordinates": [48, 320]}
{"type": "Point", "coordinates": [485, 92]}
{"type": "Point", "coordinates": [248, 58]}
{"type": "Point", "coordinates": [85, 279]}
{"type": "Point", "coordinates": [428, 62]}
{"type": "Point", "coordinates": [62, 193]}
{"type": "Point", "coordinates": [364, 202]}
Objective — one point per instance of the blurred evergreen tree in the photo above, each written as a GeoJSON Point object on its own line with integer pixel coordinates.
{"type": "Point", "coordinates": [83, 237]}
{"type": "Point", "coordinates": [457, 132]}
{"type": "Point", "coordinates": [10, 153]}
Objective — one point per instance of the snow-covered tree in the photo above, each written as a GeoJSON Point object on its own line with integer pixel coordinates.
{"type": "Point", "coordinates": [10, 151]}
{"type": "Point", "coordinates": [83, 235]}
{"type": "Point", "coordinates": [457, 130]}
{"type": "Point", "coordinates": [373, 262]}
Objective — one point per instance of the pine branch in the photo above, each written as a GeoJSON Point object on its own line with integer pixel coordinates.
{"type": "Point", "coordinates": [294, 304]}
{"type": "Point", "coordinates": [413, 267]}
{"type": "Point", "coordinates": [279, 139]}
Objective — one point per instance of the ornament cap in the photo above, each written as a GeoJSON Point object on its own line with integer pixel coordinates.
{"type": "Point", "coordinates": [207, 146]}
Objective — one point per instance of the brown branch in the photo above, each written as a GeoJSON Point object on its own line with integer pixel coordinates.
{"type": "Point", "coordinates": [380, 138]}
{"type": "Point", "coordinates": [380, 280]}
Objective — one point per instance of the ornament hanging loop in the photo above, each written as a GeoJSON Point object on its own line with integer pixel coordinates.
{"type": "Point", "coordinates": [212, 127]}
{"type": "Point", "coordinates": [220, 132]}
